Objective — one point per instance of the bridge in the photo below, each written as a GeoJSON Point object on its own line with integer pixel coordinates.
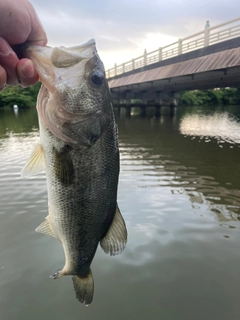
{"type": "Point", "coordinates": [205, 60]}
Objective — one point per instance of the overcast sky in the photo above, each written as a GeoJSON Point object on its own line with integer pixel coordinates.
{"type": "Point", "coordinates": [124, 28]}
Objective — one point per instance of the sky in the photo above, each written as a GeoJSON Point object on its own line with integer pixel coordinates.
{"type": "Point", "coordinates": [124, 28]}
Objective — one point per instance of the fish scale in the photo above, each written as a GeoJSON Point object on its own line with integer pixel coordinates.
{"type": "Point", "coordinates": [79, 150]}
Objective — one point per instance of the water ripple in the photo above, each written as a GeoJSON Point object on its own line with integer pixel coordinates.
{"type": "Point", "coordinates": [143, 169]}
{"type": "Point", "coordinates": [221, 126]}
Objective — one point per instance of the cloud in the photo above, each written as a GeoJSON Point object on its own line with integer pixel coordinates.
{"type": "Point", "coordinates": [123, 28]}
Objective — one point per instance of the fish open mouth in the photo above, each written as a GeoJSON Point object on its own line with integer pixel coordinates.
{"type": "Point", "coordinates": [60, 57]}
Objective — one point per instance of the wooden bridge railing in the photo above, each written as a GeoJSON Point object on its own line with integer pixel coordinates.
{"type": "Point", "coordinates": [207, 37]}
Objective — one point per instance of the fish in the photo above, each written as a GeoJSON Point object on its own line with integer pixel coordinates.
{"type": "Point", "coordinates": [78, 149]}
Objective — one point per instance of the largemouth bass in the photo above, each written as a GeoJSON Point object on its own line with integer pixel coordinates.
{"type": "Point", "coordinates": [79, 150]}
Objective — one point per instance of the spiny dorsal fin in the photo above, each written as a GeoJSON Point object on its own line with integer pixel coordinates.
{"type": "Point", "coordinates": [36, 162]}
{"type": "Point", "coordinates": [116, 237]}
{"type": "Point", "coordinates": [46, 228]}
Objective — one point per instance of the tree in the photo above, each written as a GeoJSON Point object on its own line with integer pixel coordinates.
{"type": "Point", "coordinates": [216, 96]}
{"type": "Point", "coordinates": [23, 97]}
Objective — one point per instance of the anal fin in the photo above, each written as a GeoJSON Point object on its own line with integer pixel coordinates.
{"type": "Point", "coordinates": [116, 238]}
{"type": "Point", "coordinates": [46, 228]}
{"type": "Point", "coordinates": [36, 162]}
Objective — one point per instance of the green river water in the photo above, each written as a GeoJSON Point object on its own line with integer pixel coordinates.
{"type": "Point", "coordinates": [179, 192]}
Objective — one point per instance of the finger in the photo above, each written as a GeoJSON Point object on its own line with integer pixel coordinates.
{"type": "Point", "coordinates": [8, 60]}
{"type": "Point", "coordinates": [38, 35]}
{"type": "Point", "coordinates": [3, 78]}
{"type": "Point", "coordinates": [26, 72]}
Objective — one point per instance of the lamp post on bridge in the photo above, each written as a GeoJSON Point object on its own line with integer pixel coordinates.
{"type": "Point", "coordinates": [207, 24]}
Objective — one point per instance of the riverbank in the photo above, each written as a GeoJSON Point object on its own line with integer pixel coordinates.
{"type": "Point", "coordinates": [17, 95]}
{"type": "Point", "coordinates": [27, 97]}
{"type": "Point", "coordinates": [220, 96]}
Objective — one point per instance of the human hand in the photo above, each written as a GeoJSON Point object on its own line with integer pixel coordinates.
{"type": "Point", "coordinates": [18, 23]}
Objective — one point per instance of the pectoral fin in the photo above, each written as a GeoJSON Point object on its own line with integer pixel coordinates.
{"type": "Point", "coordinates": [36, 162]}
{"type": "Point", "coordinates": [63, 165]}
{"type": "Point", "coordinates": [116, 238]}
{"type": "Point", "coordinates": [46, 228]}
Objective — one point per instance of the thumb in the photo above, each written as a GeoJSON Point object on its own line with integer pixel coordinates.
{"type": "Point", "coordinates": [37, 35]}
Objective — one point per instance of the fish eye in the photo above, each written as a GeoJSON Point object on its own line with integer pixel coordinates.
{"type": "Point", "coordinates": [97, 78]}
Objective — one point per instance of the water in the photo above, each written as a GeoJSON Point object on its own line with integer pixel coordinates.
{"type": "Point", "coordinates": [179, 192]}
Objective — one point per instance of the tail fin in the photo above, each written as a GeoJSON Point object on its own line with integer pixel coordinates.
{"type": "Point", "coordinates": [84, 288]}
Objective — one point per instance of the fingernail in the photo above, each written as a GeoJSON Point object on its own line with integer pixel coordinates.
{"type": "Point", "coordinates": [28, 70]}
{"type": "Point", "coordinates": [4, 47]}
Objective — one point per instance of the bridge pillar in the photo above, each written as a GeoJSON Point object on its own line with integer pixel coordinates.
{"type": "Point", "coordinates": [172, 111]}
{"type": "Point", "coordinates": [158, 105]}
{"type": "Point", "coordinates": [174, 100]}
{"type": "Point", "coordinates": [119, 109]}
{"type": "Point", "coordinates": [143, 108]}
{"type": "Point", "coordinates": [128, 109]}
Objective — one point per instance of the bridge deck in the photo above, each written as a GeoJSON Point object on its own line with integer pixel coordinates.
{"type": "Point", "coordinates": [223, 67]}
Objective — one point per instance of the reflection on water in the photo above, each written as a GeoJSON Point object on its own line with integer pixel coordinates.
{"type": "Point", "coordinates": [221, 126]}
{"type": "Point", "coordinates": [180, 197]}
{"type": "Point", "coordinates": [15, 110]}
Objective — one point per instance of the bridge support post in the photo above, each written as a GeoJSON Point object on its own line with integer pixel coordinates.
{"type": "Point", "coordinates": [174, 100]}
{"type": "Point", "coordinates": [143, 108]}
{"type": "Point", "coordinates": [119, 109]}
{"type": "Point", "coordinates": [172, 111]}
{"type": "Point", "coordinates": [158, 105]}
{"type": "Point", "coordinates": [128, 108]}
{"type": "Point", "coordinates": [174, 103]}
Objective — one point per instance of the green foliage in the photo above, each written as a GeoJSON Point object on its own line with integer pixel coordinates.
{"type": "Point", "coordinates": [224, 96]}
{"type": "Point", "coordinates": [188, 98]}
{"type": "Point", "coordinates": [27, 97]}
{"type": "Point", "coordinates": [231, 96]}
{"type": "Point", "coordinates": [23, 97]}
